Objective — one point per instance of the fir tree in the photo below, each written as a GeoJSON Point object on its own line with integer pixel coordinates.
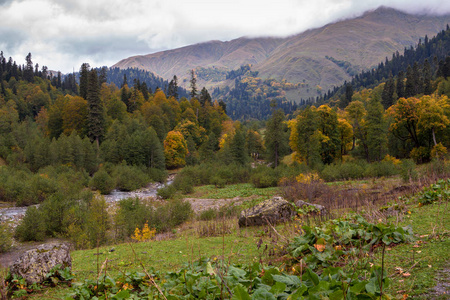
{"type": "Point", "coordinates": [96, 118]}
{"type": "Point", "coordinates": [28, 71]}
{"type": "Point", "coordinates": [387, 96]}
{"type": "Point", "coordinates": [400, 87]}
{"type": "Point", "coordinates": [193, 84]}
{"type": "Point", "coordinates": [84, 79]}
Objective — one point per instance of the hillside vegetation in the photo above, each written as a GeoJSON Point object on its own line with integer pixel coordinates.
{"type": "Point", "coordinates": [361, 43]}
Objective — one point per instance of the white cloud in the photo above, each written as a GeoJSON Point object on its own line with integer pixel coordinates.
{"type": "Point", "coordinates": [62, 34]}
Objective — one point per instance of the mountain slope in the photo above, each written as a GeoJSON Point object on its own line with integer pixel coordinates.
{"type": "Point", "coordinates": [324, 57]}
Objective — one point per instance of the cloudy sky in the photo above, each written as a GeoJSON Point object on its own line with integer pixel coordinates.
{"type": "Point", "coordinates": [62, 34]}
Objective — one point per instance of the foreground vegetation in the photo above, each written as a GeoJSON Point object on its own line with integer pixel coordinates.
{"type": "Point", "coordinates": [406, 240]}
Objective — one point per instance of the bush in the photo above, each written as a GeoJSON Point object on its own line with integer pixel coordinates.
{"type": "Point", "coordinates": [264, 177]}
{"type": "Point", "coordinates": [32, 227]}
{"type": "Point", "coordinates": [172, 214]}
{"type": "Point", "coordinates": [5, 237]}
{"type": "Point", "coordinates": [420, 155]}
{"type": "Point", "coordinates": [102, 182]}
{"type": "Point", "coordinates": [348, 170]}
{"type": "Point", "coordinates": [208, 214]}
{"type": "Point", "coordinates": [380, 169]}
{"type": "Point", "coordinates": [166, 192]}
{"type": "Point", "coordinates": [131, 213]}
{"type": "Point", "coordinates": [408, 170]}
{"type": "Point", "coordinates": [184, 183]}
{"type": "Point", "coordinates": [129, 178]}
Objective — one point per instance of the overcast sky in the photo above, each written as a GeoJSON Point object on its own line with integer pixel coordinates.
{"type": "Point", "coordinates": [62, 34]}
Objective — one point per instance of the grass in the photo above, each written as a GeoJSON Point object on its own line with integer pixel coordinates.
{"type": "Point", "coordinates": [430, 253]}
{"type": "Point", "coordinates": [422, 260]}
{"type": "Point", "coordinates": [232, 191]}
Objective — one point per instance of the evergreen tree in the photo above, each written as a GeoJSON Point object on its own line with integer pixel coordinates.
{"type": "Point", "coordinates": [193, 84]}
{"type": "Point", "coordinates": [28, 71]}
{"type": "Point", "coordinates": [205, 97]}
{"type": "Point", "coordinates": [387, 96]}
{"type": "Point", "coordinates": [172, 90]}
{"type": "Point", "coordinates": [426, 73]}
{"type": "Point", "coordinates": [96, 118]}
{"type": "Point", "coordinates": [237, 148]}
{"type": "Point", "coordinates": [276, 138]}
{"type": "Point", "coordinates": [84, 80]}
{"type": "Point", "coordinates": [102, 75]}
{"type": "Point", "coordinates": [376, 130]}
{"type": "Point", "coordinates": [400, 87]}
{"type": "Point", "coordinates": [410, 88]}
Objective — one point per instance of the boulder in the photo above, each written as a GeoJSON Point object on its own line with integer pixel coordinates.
{"type": "Point", "coordinates": [313, 208]}
{"type": "Point", "coordinates": [273, 210]}
{"type": "Point", "coordinates": [34, 264]}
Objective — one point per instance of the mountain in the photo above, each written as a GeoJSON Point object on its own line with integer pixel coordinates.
{"type": "Point", "coordinates": [316, 60]}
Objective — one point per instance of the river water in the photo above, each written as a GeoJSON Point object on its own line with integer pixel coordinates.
{"type": "Point", "coordinates": [17, 213]}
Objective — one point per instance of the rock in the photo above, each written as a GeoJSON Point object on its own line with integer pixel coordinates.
{"type": "Point", "coordinates": [273, 210]}
{"type": "Point", "coordinates": [313, 208]}
{"type": "Point", "coordinates": [34, 264]}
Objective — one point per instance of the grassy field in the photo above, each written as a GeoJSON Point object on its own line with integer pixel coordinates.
{"type": "Point", "coordinates": [414, 268]}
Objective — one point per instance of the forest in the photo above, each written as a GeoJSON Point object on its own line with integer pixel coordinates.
{"type": "Point", "coordinates": [63, 139]}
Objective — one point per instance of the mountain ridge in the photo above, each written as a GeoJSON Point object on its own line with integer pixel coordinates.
{"type": "Point", "coordinates": [311, 57]}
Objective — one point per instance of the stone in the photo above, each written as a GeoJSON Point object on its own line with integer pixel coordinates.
{"type": "Point", "coordinates": [34, 264]}
{"type": "Point", "coordinates": [275, 210]}
{"type": "Point", "coordinates": [314, 208]}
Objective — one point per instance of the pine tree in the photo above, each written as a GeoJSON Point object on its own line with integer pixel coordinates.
{"type": "Point", "coordinates": [28, 71]}
{"type": "Point", "coordinates": [387, 96]}
{"type": "Point", "coordinates": [193, 84]}
{"type": "Point", "coordinates": [426, 73]}
{"type": "Point", "coordinates": [410, 83]}
{"type": "Point", "coordinates": [84, 79]}
{"type": "Point", "coordinates": [400, 86]}
{"type": "Point", "coordinates": [172, 90]}
{"type": "Point", "coordinates": [96, 118]}
{"type": "Point", "coordinates": [205, 97]}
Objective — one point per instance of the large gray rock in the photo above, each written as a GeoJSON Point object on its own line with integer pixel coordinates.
{"type": "Point", "coordinates": [273, 210]}
{"type": "Point", "coordinates": [34, 264]}
{"type": "Point", "coordinates": [312, 208]}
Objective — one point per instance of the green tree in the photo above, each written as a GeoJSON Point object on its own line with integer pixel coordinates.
{"type": "Point", "coordinates": [387, 96]}
{"type": "Point", "coordinates": [84, 80]}
{"type": "Point", "coordinates": [96, 114]}
{"type": "Point", "coordinates": [193, 84]}
{"type": "Point", "coordinates": [276, 138]}
{"type": "Point", "coordinates": [376, 130]}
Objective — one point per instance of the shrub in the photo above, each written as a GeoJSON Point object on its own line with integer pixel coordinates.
{"type": "Point", "coordinates": [208, 214]}
{"type": "Point", "coordinates": [264, 177]}
{"type": "Point", "coordinates": [382, 168]}
{"type": "Point", "coordinates": [5, 237]}
{"type": "Point", "coordinates": [166, 192]}
{"type": "Point", "coordinates": [438, 151]}
{"type": "Point", "coordinates": [408, 170]}
{"type": "Point", "coordinates": [420, 155]}
{"type": "Point", "coordinates": [172, 214]}
{"type": "Point", "coordinates": [32, 227]}
{"type": "Point", "coordinates": [131, 213]}
{"type": "Point", "coordinates": [102, 182]}
{"type": "Point", "coordinates": [350, 170]}
{"type": "Point", "coordinates": [184, 183]}
{"type": "Point", "coordinates": [129, 178]}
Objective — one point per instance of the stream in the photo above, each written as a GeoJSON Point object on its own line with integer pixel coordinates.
{"type": "Point", "coordinates": [17, 213]}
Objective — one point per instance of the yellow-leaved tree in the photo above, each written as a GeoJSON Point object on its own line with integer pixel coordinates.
{"type": "Point", "coordinates": [175, 149]}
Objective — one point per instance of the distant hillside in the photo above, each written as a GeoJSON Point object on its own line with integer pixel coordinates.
{"type": "Point", "coordinates": [318, 58]}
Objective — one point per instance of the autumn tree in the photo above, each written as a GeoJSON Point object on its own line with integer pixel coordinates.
{"type": "Point", "coordinates": [175, 149]}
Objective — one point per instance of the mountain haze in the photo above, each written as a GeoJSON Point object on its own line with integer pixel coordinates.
{"type": "Point", "coordinates": [319, 58]}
